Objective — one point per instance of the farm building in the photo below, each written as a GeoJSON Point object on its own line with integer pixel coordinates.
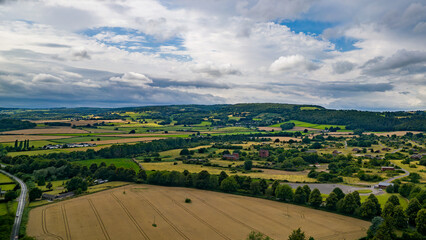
{"type": "Point", "coordinates": [263, 153]}
{"type": "Point", "coordinates": [234, 156]}
{"type": "Point", "coordinates": [56, 197]}
{"type": "Point", "coordinates": [386, 168]}
{"type": "Point", "coordinates": [383, 185]}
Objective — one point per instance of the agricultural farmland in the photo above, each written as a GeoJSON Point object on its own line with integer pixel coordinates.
{"type": "Point", "coordinates": [154, 212]}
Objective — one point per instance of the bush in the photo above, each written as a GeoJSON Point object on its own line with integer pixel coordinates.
{"type": "Point", "coordinates": [188, 200]}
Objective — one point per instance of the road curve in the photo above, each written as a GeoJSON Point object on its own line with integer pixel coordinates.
{"type": "Point", "coordinates": [21, 206]}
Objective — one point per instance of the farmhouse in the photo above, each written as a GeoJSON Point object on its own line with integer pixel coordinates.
{"type": "Point", "coordinates": [383, 185]}
{"type": "Point", "coordinates": [385, 168]}
{"type": "Point", "coordinates": [263, 153]}
{"type": "Point", "coordinates": [234, 156]}
{"type": "Point", "coordinates": [335, 153]}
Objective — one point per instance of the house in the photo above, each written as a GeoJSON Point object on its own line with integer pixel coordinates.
{"type": "Point", "coordinates": [100, 181]}
{"type": "Point", "coordinates": [234, 156]}
{"type": "Point", "coordinates": [56, 197]}
{"type": "Point", "coordinates": [383, 185]}
{"type": "Point", "coordinates": [335, 153]}
{"type": "Point", "coordinates": [263, 153]}
{"type": "Point", "coordinates": [385, 168]}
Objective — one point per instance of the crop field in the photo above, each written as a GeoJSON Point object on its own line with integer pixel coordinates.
{"type": "Point", "coordinates": [154, 212]}
{"type": "Point", "coordinates": [309, 125]}
{"type": "Point", "coordinates": [12, 138]}
{"type": "Point", "coordinates": [49, 130]}
{"type": "Point", "coordinates": [118, 162]}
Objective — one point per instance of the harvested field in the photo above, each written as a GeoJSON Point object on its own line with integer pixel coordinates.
{"type": "Point", "coordinates": [91, 122]}
{"type": "Point", "coordinates": [269, 129]}
{"type": "Point", "coordinates": [50, 130]}
{"type": "Point", "coordinates": [127, 140]}
{"type": "Point", "coordinates": [12, 138]}
{"type": "Point", "coordinates": [301, 129]}
{"type": "Point", "coordinates": [397, 133]}
{"type": "Point", "coordinates": [285, 139]}
{"type": "Point", "coordinates": [129, 213]}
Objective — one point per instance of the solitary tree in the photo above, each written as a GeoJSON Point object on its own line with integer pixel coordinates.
{"type": "Point", "coordinates": [284, 192]}
{"type": "Point", "coordinates": [297, 234]}
{"type": "Point", "coordinates": [49, 185]}
{"type": "Point", "coordinates": [34, 193]}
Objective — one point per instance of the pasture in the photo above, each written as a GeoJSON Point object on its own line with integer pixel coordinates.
{"type": "Point", "coordinates": [118, 162]}
{"type": "Point", "coordinates": [154, 212]}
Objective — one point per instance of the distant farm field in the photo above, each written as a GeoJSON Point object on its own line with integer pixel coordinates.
{"type": "Point", "coordinates": [118, 162]}
{"type": "Point", "coordinates": [13, 138]}
{"type": "Point", "coordinates": [47, 130]}
{"type": "Point", "coordinates": [130, 212]}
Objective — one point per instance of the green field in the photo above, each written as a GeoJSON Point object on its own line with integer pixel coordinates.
{"type": "Point", "coordinates": [309, 108]}
{"type": "Point", "coordinates": [310, 125]}
{"type": "Point", "coordinates": [384, 197]}
{"type": "Point", "coordinates": [7, 187]}
{"type": "Point", "coordinates": [118, 162]}
{"type": "Point", "coordinates": [5, 179]}
{"type": "Point", "coordinates": [36, 144]}
{"type": "Point", "coordinates": [12, 206]}
{"type": "Point", "coordinates": [85, 139]}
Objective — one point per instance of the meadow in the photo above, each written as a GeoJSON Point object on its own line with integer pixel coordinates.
{"type": "Point", "coordinates": [118, 162]}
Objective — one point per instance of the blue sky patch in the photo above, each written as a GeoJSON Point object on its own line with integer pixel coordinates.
{"type": "Point", "coordinates": [307, 26]}
{"type": "Point", "coordinates": [133, 40]}
{"type": "Point", "coordinates": [344, 44]}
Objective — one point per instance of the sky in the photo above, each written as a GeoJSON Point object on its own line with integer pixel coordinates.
{"type": "Point", "coordinates": [340, 54]}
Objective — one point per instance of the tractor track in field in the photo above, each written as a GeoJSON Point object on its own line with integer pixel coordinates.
{"type": "Point", "coordinates": [164, 217]}
{"type": "Point", "coordinates": [44, 225]}
{"type": "Point", "coordinates": [98, 217]}
{"type": "Point", "coordinates": [141, 231]}
{"type": "Point", "coordinates": [226, 214]}
{"type": "Point", "coordinates": [65, 218]}
{"type": "Point", "coordinates": [197, 217]}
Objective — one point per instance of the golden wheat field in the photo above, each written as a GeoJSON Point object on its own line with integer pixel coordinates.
{"type": "Point", "coordinates": [155, 212]}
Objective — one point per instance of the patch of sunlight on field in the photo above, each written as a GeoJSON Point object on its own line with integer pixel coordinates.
{"type": "Point", "coordinates": [309, 108]}
{"type": "Point", "coordinates": [309, 125]}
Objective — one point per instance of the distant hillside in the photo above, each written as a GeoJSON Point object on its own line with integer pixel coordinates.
{"type": "Point", "coordinates": [254, 114]}
{"type": "Point", "coordinates": [15, 124]}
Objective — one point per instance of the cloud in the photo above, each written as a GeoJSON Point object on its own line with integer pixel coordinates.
{"type": "Point", "coordinates": [342, 67]}
{"type": "Point", "coordinates": [292, 62]}
{"type": "Point", "coordinates": [132, 79]}
{"type": "Point", "coordinates": [46, 78]}
{"type": "Point", "coordinates": [81, 55]}
{"type": "Point", "coordinates": [401, 60]}
{"type": "Point", "coordinates": [214, 70]}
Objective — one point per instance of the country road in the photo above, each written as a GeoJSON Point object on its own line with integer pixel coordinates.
{"type": "Point", "coordinates": [21, 206]}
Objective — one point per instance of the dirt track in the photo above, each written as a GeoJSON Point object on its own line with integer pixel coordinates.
{"type": "Point", "coordinates": [129, 212]}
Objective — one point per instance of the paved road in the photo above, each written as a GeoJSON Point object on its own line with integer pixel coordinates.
{"type": "Point", "coordinates": [21, 205]}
